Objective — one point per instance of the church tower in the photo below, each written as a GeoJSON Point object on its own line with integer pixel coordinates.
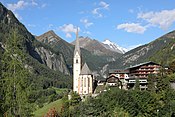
{"type": "Point", "coordinates": [76, 64]}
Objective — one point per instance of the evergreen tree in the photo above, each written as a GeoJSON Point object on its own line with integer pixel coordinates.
{"type": "Point", "coordinates": [137, 85]}
{"type": "Point", "coordinates": [14, 79]}
{"type": "Point", "coordinates": [151, 83]}
{"type": "Point", "coordinates": [1, 101]}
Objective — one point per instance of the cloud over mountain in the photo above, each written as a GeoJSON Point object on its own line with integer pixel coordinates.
{"type": "Point", "coordinates": [132, 27]}
{"type": "Point", "coordinates": [68, 29]}
{"type": "Point", "coordinates": [164, 19]}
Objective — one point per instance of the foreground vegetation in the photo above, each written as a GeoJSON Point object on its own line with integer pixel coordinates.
{"type": "Point", "coordinates": [157, 101]}
{"type": "Point", "coordinates": [45, 109]}
{"type": "Point", "coordinates": [25, 85]}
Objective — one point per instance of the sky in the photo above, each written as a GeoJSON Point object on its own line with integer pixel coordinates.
{"type": "Point", "coordinates": [128, 23]}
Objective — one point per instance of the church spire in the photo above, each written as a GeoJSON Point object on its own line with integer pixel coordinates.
{"type": "Point", "coordinates": [77, 47]}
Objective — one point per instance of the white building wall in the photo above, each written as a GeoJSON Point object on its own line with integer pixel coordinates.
{"type": "Point", "coordinates": [86, 85]}
{"type": "Point", "coordinates": [76, 71]}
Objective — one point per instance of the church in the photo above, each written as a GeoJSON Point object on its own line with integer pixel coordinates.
{"type": "Point", "coordinates": [82, 76]}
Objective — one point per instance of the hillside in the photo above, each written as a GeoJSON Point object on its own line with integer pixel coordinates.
{"type": "Point", "coordinates": [94, 61]}
{"type": "Point", "coordinates": [57, 44]}
{"type": "Point", "coordinates": [97, 47]}
{"type": "Point", "coordinates": [161, 50]}
{"type": "Point", "coordinates": [39, 60]}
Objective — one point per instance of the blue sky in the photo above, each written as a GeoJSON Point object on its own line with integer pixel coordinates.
{"type": "Point", "coordinates": [128, 23]}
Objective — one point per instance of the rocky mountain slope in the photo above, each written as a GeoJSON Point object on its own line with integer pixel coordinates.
{"type": "Point", "coordinates": [161, 50]}
{"type": "Point", "coordinates": [95, 60]}
{"type": "Point", "coordinates": [98, 48]}
{"type": "Point", "coordinates": [58, 44]}
{"type": "Point", "coordinates": [114, 47]}
{"type": "Point", "coordinates": [9, 21]}
{"type": "Point", "coordinates": [39, 56]}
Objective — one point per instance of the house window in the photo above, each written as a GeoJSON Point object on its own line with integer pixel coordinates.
{"type": "Point", "coordinates": [76, 60]}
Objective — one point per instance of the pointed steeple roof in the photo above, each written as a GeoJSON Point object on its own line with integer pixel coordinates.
{"type": "Point", "coordinates": [77, 46]}
{"type": "Point", "coordinates": [85, 70]}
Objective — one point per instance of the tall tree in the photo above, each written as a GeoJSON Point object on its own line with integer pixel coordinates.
{"type": "Point", "coordinates": [1, 101]}
{"type": "Point", "coordinates": [151, 83]}
{"type": "Point", "coordinates": [14, 79]}
{"type": "Point", "coordinates": [137, 85]}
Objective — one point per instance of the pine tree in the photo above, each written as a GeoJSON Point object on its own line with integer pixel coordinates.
{"type": "Point", "coordinates": [151, 83]}
{"type": "Point", "coordinates": [14, 79]}
{"type": "Point", "coordinates": [137, 85]}
{"type": "Point", "coordinates": [1, 101]}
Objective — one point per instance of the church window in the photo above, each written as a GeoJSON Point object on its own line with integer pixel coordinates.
{"type": "Point", "coordinates": [88, 82]}
{"type": "Point", "coordinates": [84, 82]}
{"type": "Point", "coordinates": [76, 60]}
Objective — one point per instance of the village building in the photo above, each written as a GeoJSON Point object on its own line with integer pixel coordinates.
{"type": "Point", "coordinates": [82, 76]}
{"type": "Point", "coordinates": [138, 72]}
{"type": "Point", "coordinates": [121, 75]}
{"type": "Point", "coordinates": [142, 72]}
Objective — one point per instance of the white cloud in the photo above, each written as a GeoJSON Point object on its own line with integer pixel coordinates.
{"type": "Point", "coordinates": [31, 25]}
{"type": "Point", "coordinates": [68, 35]}
{"type": "Point", "coordinates": [131, 10]}
{"type": "Point", "coordinates": [98, 10]}
{"type": "Point", "coordinates": [43, 5]}
{"type": "Point", "coordinates": [86, 22]}
{"type": "Point", "coordinates": [87, 32]}
{"type": "Point", "coordinates": [19, 5]}
{"type": "Point", "coordinates": [164, 19]}
{"type": "Point", "coordinates": [50, 25]}
{"type": "Point", "coordinates": [132, 27]}
{"type": "Point", "coordinates": [68, 29]}
{"type": "Point", "coordinates": [104, 5]}
{"type": "Point", "coordinates": [34, 3]}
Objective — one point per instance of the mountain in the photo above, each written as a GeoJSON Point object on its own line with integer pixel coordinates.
{"type": "Point", "coordinates": [98, 48]}
{"type": "Point", "coordinates": [95, 59]}
{"type": "Point", "coordinates": [39, 57]}
{"type": "Point", "coordinates": [161, 50]}
{"type": "Point", "coordinates": [114, 47]}
{"type": "Point", "coordinates": [8, 22]}
{"type": "Point", "coordinates": [45, 67]}
{"type": "Point", "coordinates": [57, 44]}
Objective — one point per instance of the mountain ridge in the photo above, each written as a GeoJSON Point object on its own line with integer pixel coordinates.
{"type": "Point", "coordinates": [114, 47]}
{"type": "Point", "coordinates": [96, 47]}
{"type": "Point", "coordinates": [158, 50]}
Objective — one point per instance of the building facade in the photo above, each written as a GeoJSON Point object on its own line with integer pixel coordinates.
{"type": "Point", "coordinates": [122, 76]}
{"type": "Point", "coordinates": [82, 78]}
{"type": "Point", "coordinates": [138, 72]}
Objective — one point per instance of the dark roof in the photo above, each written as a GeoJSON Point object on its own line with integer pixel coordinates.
{"type": "Point", "coordinates": [141, 64]}
{"type": "Point", "coordinates": [118, 71]}
{"type": "Point", "coordinates": [85, 70]}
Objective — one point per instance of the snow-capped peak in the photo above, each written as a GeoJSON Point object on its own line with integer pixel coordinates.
{"type": "Point", "coordinates": [114, 47]}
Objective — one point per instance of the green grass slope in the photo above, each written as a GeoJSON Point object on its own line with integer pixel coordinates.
{"type": "Point", "coordinates": [42, 111]}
